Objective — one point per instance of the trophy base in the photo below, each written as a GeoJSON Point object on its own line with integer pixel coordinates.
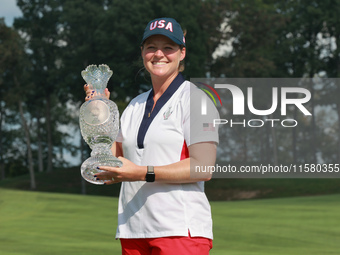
{"type": "Point", "coordinates": [89, 167]}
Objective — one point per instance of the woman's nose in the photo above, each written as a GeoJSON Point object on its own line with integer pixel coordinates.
{"type": "Point", "coordinates": [159, 53]}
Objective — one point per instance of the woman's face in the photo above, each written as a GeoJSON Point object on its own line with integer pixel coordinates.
{"type": "Point", "coordinates": [161, 56]}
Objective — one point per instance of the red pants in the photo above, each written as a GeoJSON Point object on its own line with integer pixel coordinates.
{"type": "Point", "coordinates": [178, 245]}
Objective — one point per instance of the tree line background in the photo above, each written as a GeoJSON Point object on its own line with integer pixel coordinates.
{"type": "Point", "coordinates": [42, 55]}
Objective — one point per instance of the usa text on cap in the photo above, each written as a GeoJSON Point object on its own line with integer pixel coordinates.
{"type": "Point", "coordinates": [168, 27]}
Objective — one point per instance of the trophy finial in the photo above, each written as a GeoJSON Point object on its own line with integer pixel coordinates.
{"type": "Point", "coordinates": [97, 76]}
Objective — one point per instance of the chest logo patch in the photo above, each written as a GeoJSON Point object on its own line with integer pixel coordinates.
{"type": "Point", "coordinates": [167, 113]}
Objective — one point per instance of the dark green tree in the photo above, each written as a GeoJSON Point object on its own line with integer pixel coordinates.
{"type": "Point", "coordinates": [331, 57]}
{"type": "Point", "coordinates": [252, 30]}
{"type": "Point", "coordinates": [12, 66]}
{"type": "Point", "coordinates": [40, 28]}
{"type": "Point", "coordinates": [306, 34]}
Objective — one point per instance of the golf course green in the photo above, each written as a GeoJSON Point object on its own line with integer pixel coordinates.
{"type": "Point", "coordinates": [40, 223]}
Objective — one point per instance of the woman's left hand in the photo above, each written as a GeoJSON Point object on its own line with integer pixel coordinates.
{"type": "Point", "coordinates": [128, 172]}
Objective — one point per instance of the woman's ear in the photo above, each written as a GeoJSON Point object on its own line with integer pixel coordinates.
{"type": "Point", "coordinates": [183, 53]}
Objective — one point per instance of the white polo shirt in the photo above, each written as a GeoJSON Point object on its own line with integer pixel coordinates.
{"type": "Point", "coordinates": [149, 210]}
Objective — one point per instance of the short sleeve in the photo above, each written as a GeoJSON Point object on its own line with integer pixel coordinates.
{"type": "Point", "coordinates": [199, 115]}
{"type": "Point", "coordinates": [119, 138]}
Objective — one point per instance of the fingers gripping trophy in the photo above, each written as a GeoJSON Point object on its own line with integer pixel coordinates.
{"type": "Point", "coordinates": [99, 123]}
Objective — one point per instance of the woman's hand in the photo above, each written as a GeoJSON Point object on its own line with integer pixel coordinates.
{"type": "Point", "coordinates": [91, 93]}
{"type": "Point", "coordinates": [184, 171]}
{"type": "Point", "coordinates": [128, 172]}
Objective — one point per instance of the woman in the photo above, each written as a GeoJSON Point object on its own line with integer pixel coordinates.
{"type": "Point", "coordinates": [162, 206]}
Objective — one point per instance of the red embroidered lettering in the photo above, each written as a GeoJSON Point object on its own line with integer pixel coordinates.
{"type": "Point", "coordinates": [169, 26]}
{"type": "Point", "coordinates": [161, 23]}
{"type": "Point", "coordinates": [153, 25]}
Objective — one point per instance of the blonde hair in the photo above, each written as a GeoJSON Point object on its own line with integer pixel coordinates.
{"type": "Point", "coordinates": [181, 65]}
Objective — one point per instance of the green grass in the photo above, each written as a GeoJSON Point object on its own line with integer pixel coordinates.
{"type": "Point", "coordinates": [287, 226]}
{"type": "Point", "coordinates": [51, 223]}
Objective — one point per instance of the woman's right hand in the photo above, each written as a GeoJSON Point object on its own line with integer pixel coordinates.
{"type": "Point", "coordinates": [91, 93]}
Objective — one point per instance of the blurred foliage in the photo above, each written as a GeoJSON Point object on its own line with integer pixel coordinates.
{"type": "Point", "coordinates": [225, 38]}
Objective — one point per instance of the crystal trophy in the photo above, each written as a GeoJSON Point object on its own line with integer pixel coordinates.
{"type": "Point", "coordinates": [99, 123]}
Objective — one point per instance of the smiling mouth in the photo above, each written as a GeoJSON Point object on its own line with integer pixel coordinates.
{"type": "Point", "coordinates": [159, 63]}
